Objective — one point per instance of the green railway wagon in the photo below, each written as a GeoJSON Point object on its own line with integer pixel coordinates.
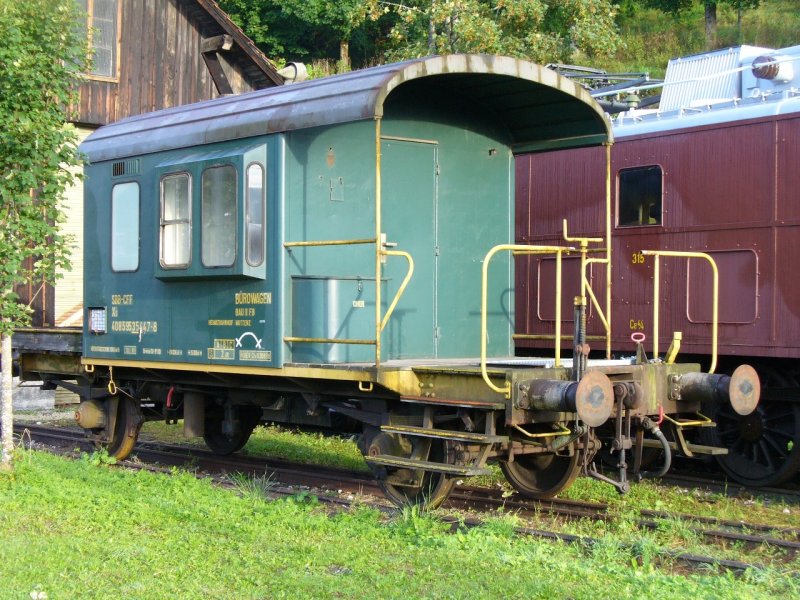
{"type": "Point", "coordinates": [337, 253]}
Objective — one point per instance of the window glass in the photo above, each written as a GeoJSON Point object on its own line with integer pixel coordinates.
{"type": "Point", "coordinates": [219, 216]}
{"type": "Point", "coordinates": [640, 196]}
{"type": "Point", "coordinates": [176, 220]}
{"type": "Point", "coordinates": [102, 32]}
{"type": "Point", "coordinates": [125, 227]}
{"type": "Point", "coordinates": [255, 215]}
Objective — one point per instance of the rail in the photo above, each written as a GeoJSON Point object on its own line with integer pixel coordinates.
{"type": "Point", "coordinates": [315, 243]}
{"type": "Point", "coordinates": [605, 316]}
{"type": "Point", "coordinates": [586, 288]}
{"type": "Point", "coordinates": [318, 244]}
{"type": "Point", "coordinates": [383, 322]}
{"type": "Point", "coordinates": [657, 254]}
{"type": "Point", "coordinates": [403, 285]}
{"type": "Point", "coordinates": [518, 249]}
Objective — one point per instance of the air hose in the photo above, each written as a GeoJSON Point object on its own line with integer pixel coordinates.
{"type": "Point", "coordinates": [653, 428]}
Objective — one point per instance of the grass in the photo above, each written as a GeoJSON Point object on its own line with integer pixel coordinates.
{"type": "Point", "coordinates": [278, 442]}
{"type": "Point", "coordinates": [315, 448]}
{"type": "Point", "coordinates": [622, 528]}
{"type": "Point", "coordinates": [72, 529]}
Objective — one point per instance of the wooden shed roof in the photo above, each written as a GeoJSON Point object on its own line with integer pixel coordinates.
{"type": "Point", "coordinates": [213, 21]}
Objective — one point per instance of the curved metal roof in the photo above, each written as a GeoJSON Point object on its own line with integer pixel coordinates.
{"type": "Point", "coordinates": [540, 108]}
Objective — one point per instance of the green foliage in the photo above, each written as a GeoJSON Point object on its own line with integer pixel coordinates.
{"type": "Point", "coordinates": [68, 530]}
{"type": "Point", "coordinates": [542, 31]}
{"type": "Point", "coordinates": [376, 31]}
{"type": "Point", "coordinates": [258, 487]}
{"type": "Point", "coordinates": [652, 37]}
{"type": "Point", "coordinates": [299, 29]}
{"type": "Point", "coordinates": [40, 59]}
{"type": "Point", "coordinates": [98, 458]}
{"type": "Point", "coordinates": [626, 35]}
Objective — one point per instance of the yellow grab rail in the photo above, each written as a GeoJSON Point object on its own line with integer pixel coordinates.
{"type": "Point", "coordinates": [657, 254]}
{"type": "Point", "coordinates": [518, 249]}
{"type": "Point", "coordinates": [329, 243]}
{"type": "Point", "coordinates": [309, 340]}
{"type": "Point", "coordinates": [316, 244]}
{"type": "Point", "coordinates": [601, 315]}
{"type": "Point", "coordinates": [586, 288]}
{"type": "Point", "coordinates": [403, 285]}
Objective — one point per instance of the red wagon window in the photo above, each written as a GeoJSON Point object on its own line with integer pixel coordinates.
{"type": "Point", "coordinates": [640, 192]}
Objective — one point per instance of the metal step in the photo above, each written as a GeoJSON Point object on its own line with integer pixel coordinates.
{"type": "Point", "coordinates": [479, 404]}
{"type": "Point", "coordinates": [387, 460]}
{"type": "Point", "coordinates": [696, 448]}
{"type": "Point", "coordinates": [457, 436]}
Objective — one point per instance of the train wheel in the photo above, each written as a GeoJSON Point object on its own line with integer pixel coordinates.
{"type": "Point", "coordinates": [409, 487]}
{"type": "Point", "coordinates": [542, 476]}
{"type": "Point", "coordinates": [222, 444]}
{"type": "Point", "coordinates": [763, 447]}
{"type": "Point", "coordinates": [128, 419]}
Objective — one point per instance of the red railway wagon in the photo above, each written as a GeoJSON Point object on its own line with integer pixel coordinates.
{"type": "Point", "coordinates": [714, 170]}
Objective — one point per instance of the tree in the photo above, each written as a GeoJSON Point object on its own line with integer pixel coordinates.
{"type": "Point", "coordinates": [709, 13]}
{"type": "Point", "coordinates": [341, 17]}
{"type": "Point", "coordinates": [540, 30]}
{"type": "Point", "coordinates": [40, 59]}
{"type": "Point", "coordinates": [299, 28]}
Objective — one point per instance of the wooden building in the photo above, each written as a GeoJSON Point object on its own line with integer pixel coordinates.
{"type": "Point", "coordinates": [148, 55]}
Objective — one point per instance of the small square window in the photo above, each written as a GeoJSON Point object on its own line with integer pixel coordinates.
{"type": "Point", "coordinates": [640, 193]}
{"type": "Point", "coordinates": [97, 320]}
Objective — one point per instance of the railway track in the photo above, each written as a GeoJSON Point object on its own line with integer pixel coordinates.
{"type": "Point", "coordinates": [336, 486]}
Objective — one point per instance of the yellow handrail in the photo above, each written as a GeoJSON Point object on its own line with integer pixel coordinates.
{"type": "Point", "coordinates": [378, 246]}
{"type": "Point", "coordinates": [309, 340]}
{"type": "Point", "coordinates": [329, 243]}
{"type": "Point", "coordinates": [586, 289]}
{"type": "Point", "coordinates": [403, 285]}
{"type": "Point", "coordinates": [316, 244]}
{"type": "Point", "coordinates": [714, 296]}
{"type": "Point", "coordinates": [595, 303]}
{"type": "Point", "coordinates": [519, 249]}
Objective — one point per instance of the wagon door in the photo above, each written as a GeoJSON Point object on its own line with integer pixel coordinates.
{"type": "Point", "coordinates": [408, 194]}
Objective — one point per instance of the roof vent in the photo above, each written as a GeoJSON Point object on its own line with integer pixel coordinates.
{"type": "Point", "coordinates": [125, 167]}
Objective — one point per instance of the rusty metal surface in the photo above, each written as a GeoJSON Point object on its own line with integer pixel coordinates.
{"type": "Point", "coordinates": [535, 104]}
{"type": "Point", "coordinates": [744, 390]}
{"type": "Point", "coordinates": [594, 398]}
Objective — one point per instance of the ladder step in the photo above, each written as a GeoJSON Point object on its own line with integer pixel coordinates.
{"type": "Point", "coordinates": [387, 460]}
{"type": "Point", "coordinates": [479, 404]}
{"type": "Point", "coordinates": [696, 448]}
{"type": "Point", "coordinates": [458, 436]}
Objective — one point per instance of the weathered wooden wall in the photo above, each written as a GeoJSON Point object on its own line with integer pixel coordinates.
{"type": "Point", "coordinates": [160, 63]}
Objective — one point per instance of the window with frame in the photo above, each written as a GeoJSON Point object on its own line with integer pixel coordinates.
{"type": "Point", "coordinates": [254, 211]}
{"type": "Point", "coordinates": [125, 227]}
{"type": "Point", "coordinates": [176, 221]}
{"type": "Point", "coordinates": [640, 195]}
{"type": "Point", "coordinates": [101, 29]}
{"type": "Point", "coordinates": [218, 246]}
